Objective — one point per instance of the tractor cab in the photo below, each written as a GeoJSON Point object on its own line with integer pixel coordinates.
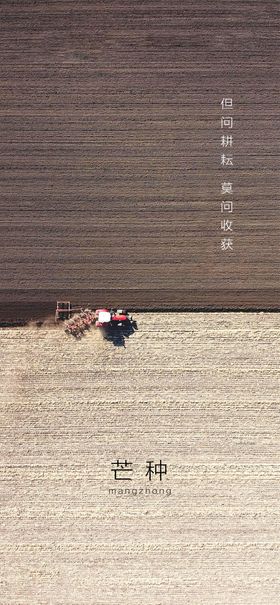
{"type": "Point", "coordinates": [102, 318]}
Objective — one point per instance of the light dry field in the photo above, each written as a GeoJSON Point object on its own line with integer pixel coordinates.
{"type": "Point", "coordinates": [200, 391]}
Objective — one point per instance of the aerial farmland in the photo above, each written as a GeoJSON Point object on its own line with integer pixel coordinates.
{"type": "Point", "coordinates": [139, 303]}
{"type": "Point", "coordinates": [111, 151]}
{"type": "Point", "coordinates": [196, 390]}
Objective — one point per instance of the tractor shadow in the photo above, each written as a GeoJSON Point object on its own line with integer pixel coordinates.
{"type": "Point", "coordinates": [118, 335]}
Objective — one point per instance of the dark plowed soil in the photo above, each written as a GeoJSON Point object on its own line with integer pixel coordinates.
{"type": "Point", "coordinates": [110, 154]}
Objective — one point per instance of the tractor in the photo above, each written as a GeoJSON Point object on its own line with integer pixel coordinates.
{"type": "Point", "coordinates": [105, 318]}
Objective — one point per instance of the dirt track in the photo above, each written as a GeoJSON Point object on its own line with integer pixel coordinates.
{"type": "Point", "coordinates": [110, 153]}
{"type": "Point", "coordinates": [199, 391]}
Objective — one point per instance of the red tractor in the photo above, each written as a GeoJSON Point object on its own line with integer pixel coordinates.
{"type": "Point", "coordinates": [116, 325]}
{"type": "Point", "coordinates": [105, 318]}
